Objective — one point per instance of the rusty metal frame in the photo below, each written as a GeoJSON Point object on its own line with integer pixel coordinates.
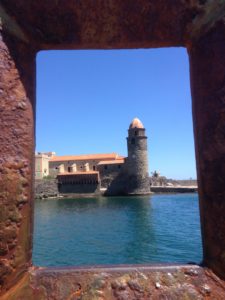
{"type": "Point", "coordinates": [27, 27]}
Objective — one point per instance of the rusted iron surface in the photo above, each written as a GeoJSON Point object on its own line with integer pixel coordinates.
{"type": "Point", "coordinates": [207, 61]}
{"type": "Point", "coordinates": [29, 26]}
{"type": "Point", "coordinates": [120, 282]}
{"type": "Point", "coordinates": [109, 24]}
{"type": "Point", "coordinates": [16, 157]}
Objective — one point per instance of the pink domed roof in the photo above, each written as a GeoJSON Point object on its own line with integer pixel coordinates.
{"type": "Point", "coordinates": [136, 123]}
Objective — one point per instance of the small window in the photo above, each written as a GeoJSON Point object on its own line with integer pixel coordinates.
{"type": "Point", "coordinates": [119, 166]}
{"type": "Point", "coordinates": [133, 141]}
{"type": "Point", "coordinates": [135, 133]}
{"type": "Point", "coordinates": [105, 167]}
{"type": "Point", "coordinates": [93, 168]}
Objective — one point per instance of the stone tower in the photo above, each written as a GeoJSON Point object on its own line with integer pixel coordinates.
{"type": "Point", "coordinates": [137, 160]}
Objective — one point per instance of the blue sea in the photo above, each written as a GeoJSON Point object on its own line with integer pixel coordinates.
{"type": "Point", "coordinates": [117, 230]}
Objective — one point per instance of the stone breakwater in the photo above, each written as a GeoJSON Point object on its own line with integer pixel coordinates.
{"type": "Point", "coordinates": [174, 189]}
{"type": "Point", "coordinates": [48, 188]}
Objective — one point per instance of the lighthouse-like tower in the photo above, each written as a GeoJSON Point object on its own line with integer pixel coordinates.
{"type": "Point", "coordinates": [137, 160]}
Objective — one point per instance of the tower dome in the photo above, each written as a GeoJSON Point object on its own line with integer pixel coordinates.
{"type": "Point", "coordinates": [136, 123]}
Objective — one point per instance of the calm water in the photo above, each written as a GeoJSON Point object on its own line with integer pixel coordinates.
{"type": "Point", "coordinates": [117, 230]}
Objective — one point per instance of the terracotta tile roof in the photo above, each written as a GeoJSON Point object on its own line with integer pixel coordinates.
{"type": "Point", "coordinates": [107, 156]}
{"type": "Point", "coordinates": [111, 162]}
{"type": "Point", "coordinates": [78, 173]}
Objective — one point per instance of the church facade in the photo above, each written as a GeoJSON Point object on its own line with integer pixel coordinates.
{"type": "Point", "coordinates": [113, 173]}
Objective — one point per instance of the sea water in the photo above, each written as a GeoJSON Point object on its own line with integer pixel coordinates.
{"type": "Point", "coordinates": [117, 230]}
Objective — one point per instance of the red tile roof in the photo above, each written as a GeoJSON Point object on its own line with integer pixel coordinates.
{"type": "Point", "coordinates": [111, 162]}
{"type": "Point", "coordinates": [107, 156]}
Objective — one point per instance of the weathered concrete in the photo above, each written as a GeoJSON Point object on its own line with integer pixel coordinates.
{"type": "Point", "coordinates": [29, 26]}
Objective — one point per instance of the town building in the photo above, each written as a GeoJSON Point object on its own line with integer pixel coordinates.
{"type": "Point", "coordinates": [117, 174]}
{"type": "Point", "coordinates": [42, 164]}
{"type": "Point", "coordinates": [82, 163]}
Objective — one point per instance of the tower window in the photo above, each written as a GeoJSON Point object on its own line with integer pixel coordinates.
{"type": "Point", "coordinates": [135, 133]}
{"type": "Point", "coordinates": [105, 167]}
{"type": "Point", "coordinates": [133, 141]}
{"type": "Point", "coordinates": [93, 168]}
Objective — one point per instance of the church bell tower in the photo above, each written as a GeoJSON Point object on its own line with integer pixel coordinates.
{"type": "Point", "coordinates": [137, 160]}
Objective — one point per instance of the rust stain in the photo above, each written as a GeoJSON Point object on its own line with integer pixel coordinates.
{"type": "Point", "coordinates": [75, 294]}
{"type": "Point", "coordinates": [198, 25]}
{"type": "Point", "coordinates": [19, 290]}
{"type": "Point", "coordinates": [133, 282]}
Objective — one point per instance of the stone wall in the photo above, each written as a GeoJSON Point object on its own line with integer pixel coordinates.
{"type": "Point", "coordinates": [117, 186]}
{"type": "Point", "coordinates": [123, 184]}
{"type": "Point", "coordinates": [45, 188]}
{"type": "Point", "coordinates": [109, 173]}
{"type": "Point", "coordinates": [137, 160]}
{"type": "Point", "coordinates": [137, 177]}
{"type": "Point", "coordinates": [110, 169]}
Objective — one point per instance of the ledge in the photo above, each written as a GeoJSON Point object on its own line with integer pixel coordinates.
{"type": "Point", "coordinates": [120, 282]}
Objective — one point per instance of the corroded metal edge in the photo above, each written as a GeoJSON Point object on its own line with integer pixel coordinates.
{"type": "Point", "coordinates": [160, 281]}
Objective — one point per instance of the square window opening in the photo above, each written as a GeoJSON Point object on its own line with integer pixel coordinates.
{"type": "Point", "coordinates": [86, 101]}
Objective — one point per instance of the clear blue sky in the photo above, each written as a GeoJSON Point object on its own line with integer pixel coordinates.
{"type": "Point", "coordinates": [87, 99]}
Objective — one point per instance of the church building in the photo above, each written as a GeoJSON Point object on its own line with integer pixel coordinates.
{"type": "Point", "coordinates": [113, 173]}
